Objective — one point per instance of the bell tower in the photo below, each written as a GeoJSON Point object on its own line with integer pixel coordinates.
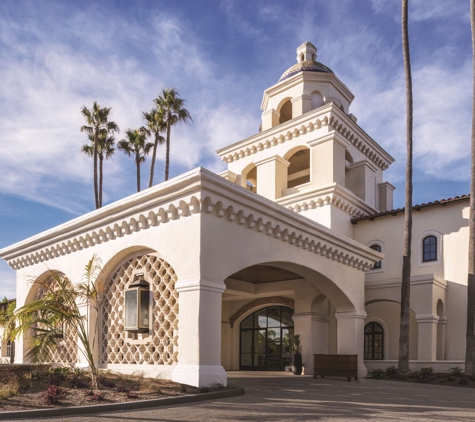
{"type": "Point", "coordinates": [311, 156]}
{"type": "Point", "coordinates": [303, 87]}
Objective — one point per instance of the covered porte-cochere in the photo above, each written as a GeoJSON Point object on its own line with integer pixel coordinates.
{"type": "Point", "coordinates": [230, 276]}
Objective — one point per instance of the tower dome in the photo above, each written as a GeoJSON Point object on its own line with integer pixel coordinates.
{"type": "Point", "coordinates": [306, 61]}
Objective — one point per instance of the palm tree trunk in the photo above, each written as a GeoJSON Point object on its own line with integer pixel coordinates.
{"type": "Point", "coordinates": [167, 159]}
{"type": "Point", "coordinates": [152, 165]}
{"type": "Point", "coordinates": [101, 160]}
{"type": "Point", "coordinates": [470, 345]}
{"type": "Point", "coordinates": [403, 364]}
{"type": "Point", "coordinates": [137, 161]}
{"type": "Point", "coordinates": [96, 194]}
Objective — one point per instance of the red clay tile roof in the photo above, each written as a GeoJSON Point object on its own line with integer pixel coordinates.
{"type": "Point", "coordinates": [415, 208]}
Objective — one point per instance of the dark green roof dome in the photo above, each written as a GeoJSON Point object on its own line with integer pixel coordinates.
{"type": "Point", "coordinates": [305, 66]}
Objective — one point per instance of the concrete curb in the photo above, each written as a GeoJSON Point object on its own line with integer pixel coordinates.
{"type": "Point", "coordinates": [111, 407]}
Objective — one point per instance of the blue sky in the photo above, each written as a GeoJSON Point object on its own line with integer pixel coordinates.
{"type": "Point", "coordinates": [56, 56]}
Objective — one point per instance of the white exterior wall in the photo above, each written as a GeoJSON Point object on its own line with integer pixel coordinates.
{"type": "Point", "coordinates": [444, 280]}
{"type": "Point", "coordinates": [207, 229]}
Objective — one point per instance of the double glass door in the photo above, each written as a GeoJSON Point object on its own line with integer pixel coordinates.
{"type": "Point", "coordinates": [266, 339]}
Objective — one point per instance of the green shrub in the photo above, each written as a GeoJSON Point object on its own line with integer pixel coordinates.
{"type": "Point", "coordinates": [392, 372]}
{"type": "Point", "coordinates": [9, 386]}
{"type": "Point", "coordinates": [463, 381]}
{"type": "Point", "coordinates": [456, 372]}
{"type": "Point", "coordinates": [377, 374]}
{"type": "Point", "coordinates": [425, 374]}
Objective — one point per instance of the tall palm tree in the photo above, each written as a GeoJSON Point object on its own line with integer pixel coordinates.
{"type": "Point", "coordinates": [470, 337]}
{"type": "Point", "coordinates": [97, 119]}
{"type": "Point", "coordinates": [105, 149]}
{"type": "Point", "coordinates": [172, 107]}
{"type": "Point", "coordinates": [155, 124]}
{"type": "Point", "coordinates": [136, 144]}
{"type": "Point", "coordinates": [403, 364]}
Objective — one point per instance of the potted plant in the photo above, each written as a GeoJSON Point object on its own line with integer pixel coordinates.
{"type": "Point", "coordinates": [296, 355]}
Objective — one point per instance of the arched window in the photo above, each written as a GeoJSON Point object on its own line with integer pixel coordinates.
{"type": "Point", "coordinates": [285, 112]}
{"type": "Point", "coordinates": [373, 341]}
{"type": "Point", "coordinates": [298, 172]}
{"type": "Point", "coordinates": [266, 339]}
{"type": "Point", "coordinates": [251, 180]}
{"type": "Point", "coordinates": [429, 249]}
{"type": "Point", "coordinates": [9, 348]}
{"type": "Point", "coordinates": [377, 265]}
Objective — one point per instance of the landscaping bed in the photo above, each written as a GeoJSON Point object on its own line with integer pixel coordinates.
{"type": "Point", "coordinates": [46, 388]}
{"type": "Point", "coordinates": [455, 377]}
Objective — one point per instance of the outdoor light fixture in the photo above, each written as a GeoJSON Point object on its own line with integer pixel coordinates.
{"type": "Point", "coordinates": [137, 303]}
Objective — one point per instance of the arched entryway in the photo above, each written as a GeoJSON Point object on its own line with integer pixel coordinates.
{"type": "Point", "coordinates": [266, 339]}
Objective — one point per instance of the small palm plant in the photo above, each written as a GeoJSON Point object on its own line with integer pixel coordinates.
{"type": "Point", "coordinates": [136, 144]}
{"type": "Point", "coordinates": [172, 106]}
{"type": "Point", "coordinates": [297, 345]}
{"type": "Point", "coordinates": [296, 355]}
{"type": "Point", "coordinates": [58, 314]}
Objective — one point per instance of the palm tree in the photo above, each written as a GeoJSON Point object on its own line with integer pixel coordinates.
{"type": "Point", "coordinates": [156, 125]}
{"type": "Point", "coordinates": [470, 337]}
{"type": "Point", "coordinates": [136, 144]}
{"type": "Point", "coordinates": [171, 105]}
{"type": "Point", "coordinates": [58, 314]}
{"type": "Point", "coordinates": [403, 364]}
{"type": "Point", "coordinates": [97, 119]}
{"type": "Point", "coordinates": [105, 149]}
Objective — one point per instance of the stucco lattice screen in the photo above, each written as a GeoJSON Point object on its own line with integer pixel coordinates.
{"type": "Point", "coordinates": [161, 346]}
{"type": "Point", "coordinates": [66, 353]}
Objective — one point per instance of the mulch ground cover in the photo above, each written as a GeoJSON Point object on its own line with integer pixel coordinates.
{"type": "Point", "coordinates": [455, 377]}
{"type": "Point", "coordinates": [64, 387]}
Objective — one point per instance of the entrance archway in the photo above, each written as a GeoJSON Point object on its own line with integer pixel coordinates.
{"type": "Point", "coordinates": [266, 339]}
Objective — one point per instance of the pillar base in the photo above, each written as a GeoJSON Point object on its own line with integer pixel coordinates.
{"type": "Point", "coordinates": [362, 371]}
{"type": "Point", "coordinates": [200, 375]}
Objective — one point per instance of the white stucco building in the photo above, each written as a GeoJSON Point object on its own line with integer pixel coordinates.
{"type": "Point", "coordinates": [299, 235]}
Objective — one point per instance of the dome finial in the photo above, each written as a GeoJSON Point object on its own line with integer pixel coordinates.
{"type": "Point", "coordinates": [306, 52]}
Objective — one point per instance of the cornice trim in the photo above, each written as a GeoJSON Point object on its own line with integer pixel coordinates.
{"type": "Point", "coordinates": [327, 115]}
{"type": "Point", "coordinates": [328, 195]}
{"type": "Point", "coordinates": [206, 193]}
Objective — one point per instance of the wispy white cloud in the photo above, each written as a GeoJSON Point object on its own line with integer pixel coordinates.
{"type": "Point", "coordinates": [51, 67]}
{"type": "Point", "coordinates": [45, 87]}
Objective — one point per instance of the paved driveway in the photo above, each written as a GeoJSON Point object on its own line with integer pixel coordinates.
{"type": "Point", "coordinates": [283, 397]}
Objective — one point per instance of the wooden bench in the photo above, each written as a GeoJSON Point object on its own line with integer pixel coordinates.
{"type": "Point", "coordinates": [335, 366]}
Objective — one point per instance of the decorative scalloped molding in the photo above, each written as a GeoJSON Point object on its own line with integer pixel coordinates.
{"type": "Point", "coordinates": [333, 199]}
{"type": "Point", "coordinates": [181, 209]}
{"type": "Point", "coordinates": [301, 129]}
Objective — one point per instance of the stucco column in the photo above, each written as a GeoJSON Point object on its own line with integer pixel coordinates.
{"type": "Point", "coordinates": [441, 338]}
{"type": "Point", "coordinates": [272, 176]}
{"type": "Point", "coordinates": [19, 346]}
{"type": "Point", "coordinates": [270, 118]}
{"type": "Point", "coordinates": [301, 105]}
{"type": "Point", "coordinates": [427, 341]}
{"type": "Point", "coordinates": [350, 336]}
{"type": "Point", "coordinates": [313, 330]}
{"type": "Point", "coordinates": [199, 333]}
{"type": "Point", "coordinates": [327, 161]}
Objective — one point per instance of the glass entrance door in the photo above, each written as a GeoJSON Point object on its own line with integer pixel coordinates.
{"type": "Point", "coordinates": [266, 337]}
